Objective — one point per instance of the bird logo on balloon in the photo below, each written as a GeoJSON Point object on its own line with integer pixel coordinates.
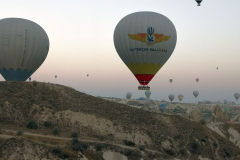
{"type": "Point", "coordinates": [149, 38]}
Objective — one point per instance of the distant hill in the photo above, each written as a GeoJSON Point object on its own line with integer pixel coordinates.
{"type": "Point", "coordinates": [149, 135]}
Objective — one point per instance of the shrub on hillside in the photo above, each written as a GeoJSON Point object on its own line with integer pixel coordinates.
{"type": "Point", "coordinates": [99, 147]}
{"type": "Point", "coordinates": [75, 141]}
{"type": "Point", "coordinates": [74, 134]}
{"type": "Point", "coordinates": [195, 145]}
{"type": "Point", "coordinates": [77, 147]}
{"type": "Point", "coordinates": [32, 124]}
{"type": "Point", "coordinates": [19, 133]}
{"type": "Point", "coordinates": [128, 143]}
{"type": "Point", "coordinates": [57, 150]}
{"type": "Point", "coordinates": [203, 121]}
{"type": "Point", "coordinates": [65, 155]}
{"type": "Point", "coordinates": [34, 83]}
{"type": "Point", "coordinates": [142, 147]}
{"type": "Point", "coordinates": [47, 123]}
{"type": "Point", "coordinates": [56, 131]}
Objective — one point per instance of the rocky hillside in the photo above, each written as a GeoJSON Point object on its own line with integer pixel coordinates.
{"type": "Point", "coordinates": [219, 116]}
{"type": "Point", "coordinates": [105, 128]}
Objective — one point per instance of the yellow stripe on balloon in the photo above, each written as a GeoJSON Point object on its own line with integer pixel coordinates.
{"type": "Point", "coordinates": [146, 68]}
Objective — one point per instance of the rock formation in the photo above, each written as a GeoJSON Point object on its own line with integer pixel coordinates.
{"type": "Point", "coordinates": [218, 115]}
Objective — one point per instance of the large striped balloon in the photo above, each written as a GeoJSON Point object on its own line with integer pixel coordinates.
{"type": "Point", "coordinates": [24, 46]}
{"type": "Point", "coordinates": [145, 41]}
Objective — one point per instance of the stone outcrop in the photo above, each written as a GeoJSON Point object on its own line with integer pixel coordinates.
{"type": "Point", "coordinates": [218, 115]}
{"type": "Point", "coordinates": [194, 114]}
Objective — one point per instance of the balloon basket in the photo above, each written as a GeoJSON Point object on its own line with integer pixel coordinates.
{"type": "Point", "coordinates": [143, 88]}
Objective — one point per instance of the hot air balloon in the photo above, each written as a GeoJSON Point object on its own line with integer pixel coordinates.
{"type": "Point", "coordinates": [195, 93]}
{"type": "Point", "coordinates": [225, 101]}
{"type": "Point", "coordinates": [145, 41]}
{"type": "Point", "coordinates": [148, 94]}
{"type": "Point", "coordinates": [199, 2]}
{"type": "Point", "coordinates": [236, 95]}
{"type": "Point", "coordinates": [180, 97]}
{"type": "Point", "coordinates": [141, 101]}
{"type": "Point", "coordinates": [24, 47]}
{"type": "Point", "coordinates": [129, 95]}
{"type": "Point", "coordinates": [170, 80]}
{"type": "Point", "coordinates": [162, 107]}
{"type": "Point", "coordinates": [55, 76]}
{"type": "Point", "coordinates": [171, 97]}
{"type": "Point", "coordinates": [87, 75]}
{"type": "Point", "coordinates": [217, 67]}
{"type": "Point", "coordinates": [197, 79]}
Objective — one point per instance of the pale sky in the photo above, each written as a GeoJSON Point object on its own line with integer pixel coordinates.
{"type": "Point", "coordinates": [81, 43]}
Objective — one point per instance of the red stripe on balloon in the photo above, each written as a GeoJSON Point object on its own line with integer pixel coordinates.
{"type": "Point", "coordinates": [144, 79]}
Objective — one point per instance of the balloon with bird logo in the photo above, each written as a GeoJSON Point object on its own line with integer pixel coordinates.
{"type": "Point", "coordinates": [145, 41]}
{"type": "Point", "coordinates": [148, 94]}
{"type": "Point", "coordinates": [24, 47]}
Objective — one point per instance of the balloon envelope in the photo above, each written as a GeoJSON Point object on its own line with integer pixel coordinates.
{"type": "Point", "coordinates": [195, 93]}
{"type": "Point", "coordinates": [148, 93]}
{"type": "Point", "coordinates": [162, 107]}
{"type": "Point", "coordinates": [236, 95]}
{"type": "Point", "coordinates": [225, 101]}
{"type": "Point", "coordinates": [24, 47]}
{"type": "Point", "coordinates": [170, 80]}
{"type": "Point", "coordinates": [199, 2]}
{"type": "Point", "coordinates": [197, 79]}
{"type": "Point", "coordinates": [180, 97]}
{"type": "Point", "coordinates": [145, 41]}
{"type": "Point", "coordinates": [171, 97]}
{"type": "Point", "coordinates": [129, 95]}
{"type": "Point", "coordinates": [141, 101]}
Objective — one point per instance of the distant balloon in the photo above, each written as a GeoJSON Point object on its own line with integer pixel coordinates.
{"type": "Point", "coordinates": [219, 102]}
{"type": "Point", "coordinates": [162, 107]}
{"type": "Point", "coordinates": [199, 2]}
{"type": "Point", "coordinates": [236, 95]}
{"type": "Point", "coordinates": [225, 101]}
{"type": "Point", "coordinates": [24, 47]}
{"type": "Point", "coordinates": [148, 93]}
{"type": "Point", "coordinates": [195, 93]}
{"type": "Point", "coordinates": [171, 97]}
{"type": "Point", "coordinates": [197, 79]}
{"type": "Point", "coordinates": [170, 80]}
{"type": "Point", "coordinates": [138, 39]}
{"type": "Point", "coordinates": [180, 97]}
{"type": "Point", "coordinates": [129, 95]}
{"type": "Point", "coordinates": [87, 75]}
{"type": "Point", "coordinates": [142, 101]}
{"type": "Point", "coordinates": [217, 67]}
{"type": "Point", "coordinates": [55, 76]}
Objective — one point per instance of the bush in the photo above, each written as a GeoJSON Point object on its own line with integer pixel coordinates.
{"type": "Point", "coordinates": [170, 152]}
{"type": "Point", "coordinates": [128, 153]}
{"type": "Point", "coordinates": [215, 144]}
{"type": "Point", "coordinates": [99, 147]}
{"type": "Point", "coordinates": [203, 121]}
{"type": "Point", "coordinates": [47, 123]}
{"type": "Point", "coordinates": [65, 155]}
{"type": "Point", "coordinates": [75, 141]}
{"type": "Point", "coordinates": [56, 131]}
{"type": "Point", "coordinates": [74, 134]}
{"type": "Point", "coordinates": [19, 133]}
{"type": "Point", "coordinates": [128, 143]}
{"type": "Point", "coordinates": [183, 152]}
{"type": "Point", "coordinates": [77, 147]}
{"type": "Point", "coordinates": [195, 145]}
{"type": "Point", "coordinates": [85, 146]}
{"type": "Point", "coordinates": [142, 147]}
{"type": "Point", "coordinates": [32, 124]}
{"type": "Point", "coordinates": [57, 150]}
{"type": "Point", "coordinates": [34, 83]}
